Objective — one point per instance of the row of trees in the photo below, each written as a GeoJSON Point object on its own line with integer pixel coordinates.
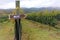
{"type": "Point", "coordinates": [45, 17]}
{"type": "Point", "coordinates": [3, 19]}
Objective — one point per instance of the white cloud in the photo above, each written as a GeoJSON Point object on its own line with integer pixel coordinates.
{"type": "Point", "coordinates": [36, 3]}
{"type": "Point", "coordinates": [56, 3]}
{"type": "Point", "coordinates": [9, 5]}
{"type": "Point", "coordinates": [30, 3]}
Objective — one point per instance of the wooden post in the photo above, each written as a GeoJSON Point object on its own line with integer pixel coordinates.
{"type": "Point", "coordinates": [17, 18]}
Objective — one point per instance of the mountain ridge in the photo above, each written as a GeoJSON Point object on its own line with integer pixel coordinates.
{"type": "Point", "coordinates": [28, 10]}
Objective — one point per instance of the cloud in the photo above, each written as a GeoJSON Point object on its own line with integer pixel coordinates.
{"type": "Point", "coordinates": [36, 3]}
{"type": "Point", "coordinates": [9, 5]}
{"type": "Point", "coordinates": [56, 3]}
{"type": "Point", "coordinates": [30, 3]}
{"type": "Point", "coordinates": [6, 1]}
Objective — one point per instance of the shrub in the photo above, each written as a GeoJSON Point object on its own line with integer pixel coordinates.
{"type": "Point", "coordinates": [3, 18]}
{"type": "Point", "coordinates": [43, 18]}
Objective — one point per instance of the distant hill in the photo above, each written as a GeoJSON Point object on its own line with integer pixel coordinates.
{"type": "Point", "coordinates": [28, 10]}
{"type": "Point", "coordinates": [39, 9]}
{"type": "Point", "coordinates": [6, 11]}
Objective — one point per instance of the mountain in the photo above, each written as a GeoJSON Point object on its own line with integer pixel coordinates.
{"type": "Point", "coordinates": [39, 9]}
{"type": "Point", "coordinates": [28, 10]}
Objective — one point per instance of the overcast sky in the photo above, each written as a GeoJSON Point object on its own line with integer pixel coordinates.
{"type": "Point", "coordinates": [5, 4]}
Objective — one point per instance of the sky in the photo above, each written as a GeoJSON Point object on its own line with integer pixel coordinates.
{"type": "Point", "coordinates": [7, 4]}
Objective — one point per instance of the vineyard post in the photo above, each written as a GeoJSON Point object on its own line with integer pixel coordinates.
{"type": "Point", "coordinates": [17, 21]}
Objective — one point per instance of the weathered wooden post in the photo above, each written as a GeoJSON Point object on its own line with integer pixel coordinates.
{"type": "Point", "coordinates": [17, 19]}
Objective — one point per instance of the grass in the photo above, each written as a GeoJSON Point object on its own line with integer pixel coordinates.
{"type": "Point", "coordinates": [30, 31]}
{"type": "Point", "coordinates": [6, 31]}
{"type": "Point", "coordinates": [37, 31]}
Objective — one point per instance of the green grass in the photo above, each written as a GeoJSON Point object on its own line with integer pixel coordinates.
{"type": "Point", "coordinates": [37, 31]}
{"type": "Point", "coordinates": [6, 31]}
{"type": "Point", "coordinates": [30, 31]}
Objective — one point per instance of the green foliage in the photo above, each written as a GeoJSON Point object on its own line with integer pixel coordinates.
{"type": "Point", "coordinates": [3, 19]}
{"type": "Point", "coordinates": [57, 17]}
{"type": "Point", "coordinates": [44, 17]}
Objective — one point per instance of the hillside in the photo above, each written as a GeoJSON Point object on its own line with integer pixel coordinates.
{"type": "Point", "coordinates": [29, 10]}
{"type": "Point", "coordinates": [30, 31]}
